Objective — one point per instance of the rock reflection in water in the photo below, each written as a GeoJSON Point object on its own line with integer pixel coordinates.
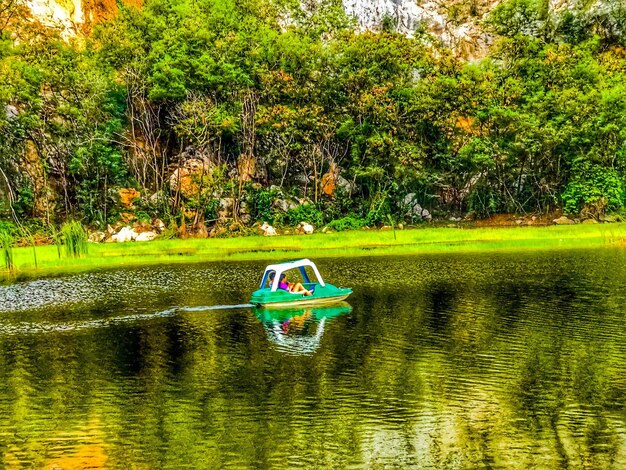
{"type": "Point", "coordinates": [298, 331]}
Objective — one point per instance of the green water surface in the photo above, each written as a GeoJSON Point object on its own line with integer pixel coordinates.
{"type": "Point", "coordinates": [439, 361]}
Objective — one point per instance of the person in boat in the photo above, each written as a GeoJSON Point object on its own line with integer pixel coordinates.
{"type": "Point", "coordinates": [293, 287]}
{"type": "Point", "coordinates": [271, 278]}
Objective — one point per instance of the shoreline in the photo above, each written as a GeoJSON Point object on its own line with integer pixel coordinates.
{"type": "Point", "coordinates": [415, 241]}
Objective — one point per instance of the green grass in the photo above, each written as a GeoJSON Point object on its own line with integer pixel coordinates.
{"type": "Point", "coordinates": [355, 243]}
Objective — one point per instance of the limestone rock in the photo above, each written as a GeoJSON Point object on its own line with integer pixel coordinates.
{"type": "Point", "coordinates": [146, 236]}
{"type": "Point", "coordinates": [267, 230]}
{"type": "Point", "coordinates": [126, 234]}
{"type": "Point", "coordinates": [305, 228]}
{"type": "Point", "coordinates": [283, 204]}
{"type": "Point", "coordinates": [563, 221]}
{"type": "Point", "coordinates": [186, 178]}
{"type": "Point", "coordinates": [413, 209]}
{"type": "Point", "coordinates": [127, 196]}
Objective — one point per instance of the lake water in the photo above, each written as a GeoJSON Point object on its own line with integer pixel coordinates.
{"type": "Point", "coordinates": [447, 361]}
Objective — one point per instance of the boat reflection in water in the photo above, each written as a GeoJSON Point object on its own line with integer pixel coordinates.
{"type": "Point", "coordinates": [298, 331]}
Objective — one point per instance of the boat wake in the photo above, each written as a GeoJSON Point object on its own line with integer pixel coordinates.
{"type": "Point", "coordinates": [25, 328]}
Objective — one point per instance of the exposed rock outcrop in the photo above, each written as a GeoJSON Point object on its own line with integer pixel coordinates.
{"type": "Point", "coordinates": [127, 197]}
{"type": "Point", "coordinates": [186, 179]}
{"type": "Point", "coordinates": [457, 23]}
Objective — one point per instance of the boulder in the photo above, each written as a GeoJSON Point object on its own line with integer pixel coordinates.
{"type": "Point", "coordinates": [267, 230]}
{"type": "Point", "coordinates": [146, 236]}
{"type": "Point", "coordinates": [413, 209]}
{"type": "Point", "coordinates": [280, 204]}
{"type": "Point", "coordinates": [96, 237]}
{"type": "Point", "coordinates": [305, 228]}
{"type": "Point", "coordinates": [283, 204]}
{"type": "Point", "coordinates": [126, 234]}
{"type": "Point", "coordinates": [563, 221]}
{"type": "Point", "coordinates": [589, 221]}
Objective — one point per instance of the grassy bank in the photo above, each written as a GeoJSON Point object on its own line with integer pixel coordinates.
{"type": "Point", "coordinates": [356, 243]}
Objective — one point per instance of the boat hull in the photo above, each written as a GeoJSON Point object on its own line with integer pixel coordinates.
{"type": "Point", "coordinates": [304, 301]}
{"type": "Point", "coordinates": [322, 295]}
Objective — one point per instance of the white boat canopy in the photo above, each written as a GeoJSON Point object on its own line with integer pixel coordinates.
{"type": "Point", "coordinates": [280, 268]}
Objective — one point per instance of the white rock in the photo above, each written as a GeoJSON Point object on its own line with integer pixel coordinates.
{"type": "Point", "coordinates": [145, 237]}
{"type": "Point", "coordinates": [268, 230]}
{"type": "Point", "coordinates": [126, 234]}
{"type": "Point", "coordinates": [307, 228]}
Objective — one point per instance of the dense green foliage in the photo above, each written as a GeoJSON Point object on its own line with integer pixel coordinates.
{"type": "Point", "coordinates": [273, 105]}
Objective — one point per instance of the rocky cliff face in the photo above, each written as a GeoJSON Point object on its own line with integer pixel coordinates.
{"type": "Point", "coordinates": [455, 22]}
{"type": "Point", "coordinates": [74, 16]}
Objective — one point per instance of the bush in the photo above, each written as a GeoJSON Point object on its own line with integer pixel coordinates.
{"type": "Point", "coordinates": [260, 201]}
{"type": "Point", "coordinates": [593, 188]}
{"type": "Point", "coordinates": [347, 223]}
{"type": "Point", "coordinates": [483, 201]}
{"type": "Point", "coordinates": [305, 213]}
{"type": "Point", "coordinates": [380, 209]}
{"type": "Point", "coordinates": [143, 217]}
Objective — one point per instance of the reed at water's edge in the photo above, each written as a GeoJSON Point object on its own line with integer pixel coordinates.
{"type": "Point", "coordinates": [354, 243]}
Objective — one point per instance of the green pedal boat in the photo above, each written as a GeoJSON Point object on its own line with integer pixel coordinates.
{"type": "Point", "coordinates": [269, 295]}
